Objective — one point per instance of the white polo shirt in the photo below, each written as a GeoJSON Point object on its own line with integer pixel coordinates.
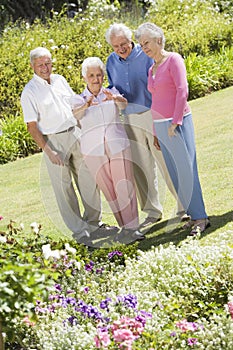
{"type": "Point", "coordinates": [48, 104]}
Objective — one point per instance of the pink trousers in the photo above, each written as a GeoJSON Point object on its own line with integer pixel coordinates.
{"type": "Point", "coordinates": [114, 176]}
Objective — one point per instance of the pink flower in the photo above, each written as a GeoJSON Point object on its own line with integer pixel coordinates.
{"type": "Point", "coordinates": [27, 321]}
{"type": "Point", "coordinates": [185, 326]}
{"type": "Point", "coordinates": [121, 335]}
{"type": "Point", "coordinates": [230, 308]}
{"type": "Point", "coordinates": [1, 218]}
{"type": "Point", "coordinates": [102, 340]}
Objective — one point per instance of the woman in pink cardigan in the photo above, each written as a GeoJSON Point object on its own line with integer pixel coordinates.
{"type": "Point", "coordinates": [106, 148]}
{"type": "Point", "coordinates": [172, 121]}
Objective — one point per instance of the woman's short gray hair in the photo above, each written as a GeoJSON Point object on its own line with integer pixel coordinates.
{"type": "Point", "coordinates": [39, 52]}
{"type": "Point", "coordinates": [118, 29]}
{"type": "Point", "coordinates": [92, 62]}
{"type": "Point", "coordinates": [152, 30]}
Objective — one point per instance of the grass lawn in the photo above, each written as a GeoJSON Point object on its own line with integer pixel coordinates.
{"type": "Point", "coordinates": [26, 194]}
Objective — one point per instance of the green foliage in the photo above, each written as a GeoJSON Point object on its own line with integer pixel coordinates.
{"type": "Point", "coordinates": [15, 141]}
{"type": "Point", "coordinates": [192, 26]}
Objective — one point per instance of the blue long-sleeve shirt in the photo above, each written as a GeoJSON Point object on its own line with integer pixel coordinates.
{"type": "Point", "coordinates": [129, 76]}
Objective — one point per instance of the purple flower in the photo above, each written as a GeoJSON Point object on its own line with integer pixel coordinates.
{"type": "Point", "coordinates": [89, 311]}
{"type": "Point", "coordinates": [192, 341]}
{"type": "Point", "coordinates": [129, 300]}
{"type": "Point", "coordinates": [65, 301]}
{"type": "Point", "coordinates": [173, 334]}
{"type": "Point", "coordinates": [86, 289]}
{"type": "Point", "coordinates": [142, 316]}
{"type": "Point", "coordinates": [58, 287]}
{"type": "Point", "coordinates": [89, 267]}
{"type": "Point", "coordinates": [99, 271]}
{"type": "Point", "coordinates": [104, 304]}
{"type": "Point", "coordinates": [113, 253]}
{"type": "Point", "coordinates": [72, 320]}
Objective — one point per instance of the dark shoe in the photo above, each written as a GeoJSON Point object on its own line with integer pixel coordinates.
{"type": "Point", "coordinates": [188, 224]}
{"type": "Point", "coordinates": [83, 238]}
{"type": "Point", "coordinates": [107, 227]}
{"type": "Point", "coordinates": [128, 236]}
{"type": "Point", "coordinates": [149, 221]}
{"type": "Point", "coordinates": [199, 226]}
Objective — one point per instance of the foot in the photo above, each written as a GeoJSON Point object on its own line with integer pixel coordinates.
{"type": "Point", "coordinates": [188, 224]}
{"type": "Point", "coordinates": [83, 238]}
{"type": "Point", "coordinates": [107, 227]}
{"type": "Point", "coordinates": [199, 226]}
{"type": "Point", "coordinates": [129, 235]}
{"type": "Point", "coordinates": [150, 221]}
{"type": "Point", "coordinates": [183, 216]}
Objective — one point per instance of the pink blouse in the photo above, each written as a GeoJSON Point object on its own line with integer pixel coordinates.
{"type": "Point", "coordinates": [169, 89]}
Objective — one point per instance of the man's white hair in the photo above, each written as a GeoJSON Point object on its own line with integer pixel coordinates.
{"type": "Point", "coordinates": [118, 29]}
{"type": "Point", "coordinates": [39, 52]}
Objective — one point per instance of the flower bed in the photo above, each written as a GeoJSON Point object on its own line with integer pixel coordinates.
{"type": "Point", "coordinates": [123, 298]}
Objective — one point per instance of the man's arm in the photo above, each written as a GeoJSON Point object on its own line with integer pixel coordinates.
{"type": "Point", "coordinates": [41, 142]}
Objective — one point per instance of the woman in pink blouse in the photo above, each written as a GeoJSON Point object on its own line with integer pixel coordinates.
{"type": "Point", "coordinates": [172, 122]}
{"type": "Point", "coordinates": [105, 146]}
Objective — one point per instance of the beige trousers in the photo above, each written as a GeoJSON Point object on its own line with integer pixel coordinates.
{"type": "Point", "coordinates": [63, 179]}
{"type": "Point", "coordinates": [147, 158]}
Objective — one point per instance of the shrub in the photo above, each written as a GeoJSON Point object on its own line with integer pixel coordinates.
{"type": "Point", "coordinates": [15, 141]}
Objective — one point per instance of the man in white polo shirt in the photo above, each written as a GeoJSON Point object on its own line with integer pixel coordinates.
{"type": "Point", "coordinates": [47, 111]}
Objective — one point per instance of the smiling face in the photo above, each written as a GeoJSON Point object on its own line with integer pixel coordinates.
{"type": "Point", "coordinates": [121, 45]}
{"type": "Point", "coordinates": [151, 46]}
{"type": "Point", "coordinates": [94, 79]}
{"type": "Point", "coordinates": [42, 66]}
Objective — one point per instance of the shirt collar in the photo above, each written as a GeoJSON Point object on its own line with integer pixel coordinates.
{"type": "Point", "coordinates": [41, 80]}
{"type": "Point", "coordinates": [87, 93]}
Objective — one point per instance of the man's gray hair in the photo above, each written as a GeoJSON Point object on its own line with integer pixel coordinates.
{"type": "Point", "coordinates": [152, 30]}
{"type": "Point", "coordinates": [118, 29]}
{"type": "Point", "coordinates": [39, 52]}
{"type": "Point", "coordinates": [90, 62]}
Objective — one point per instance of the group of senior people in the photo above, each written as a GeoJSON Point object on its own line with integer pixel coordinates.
{"type": "Point", "coordinates": [83, 138]}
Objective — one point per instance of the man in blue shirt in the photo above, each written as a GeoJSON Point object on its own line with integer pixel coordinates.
{"type": "Point", "coordinates": [127, 70]}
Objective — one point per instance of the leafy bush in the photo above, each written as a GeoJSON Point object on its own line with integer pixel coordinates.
{"type": "Point", "coordinates": [15, 141]}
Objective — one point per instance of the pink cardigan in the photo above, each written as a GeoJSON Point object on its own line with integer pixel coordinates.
{"type": "Point", "coordinates": [169, 89]}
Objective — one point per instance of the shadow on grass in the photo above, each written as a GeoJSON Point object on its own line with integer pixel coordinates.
{"type": "Point", "coordinates": [171, 231]}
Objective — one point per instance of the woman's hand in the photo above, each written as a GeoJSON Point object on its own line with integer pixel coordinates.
{"type": "Point", "coordinates": [79, 112]}
{"type": "Point", "coordinates": [156, 143]}
{"type": "Point", "coordinates": [172, 130]}
{"type": "Point", "coordinates": [118, 99]}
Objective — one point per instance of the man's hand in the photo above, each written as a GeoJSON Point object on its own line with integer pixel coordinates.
{"type": "Point", "coordinates": [53, 156]}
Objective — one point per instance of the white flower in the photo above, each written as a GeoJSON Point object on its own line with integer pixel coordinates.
{"type": "Point", "coordinates": [48, 253]}
{"type": "Point", "coordinates": [35, 227]}
{"type": "Point", "coordinates": [3, 239]}
{"type": "Point", "coordinates": [70, 249]}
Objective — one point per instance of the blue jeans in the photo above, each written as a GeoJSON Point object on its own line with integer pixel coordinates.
{"type": "Point", "coordinates": [179, 153]}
